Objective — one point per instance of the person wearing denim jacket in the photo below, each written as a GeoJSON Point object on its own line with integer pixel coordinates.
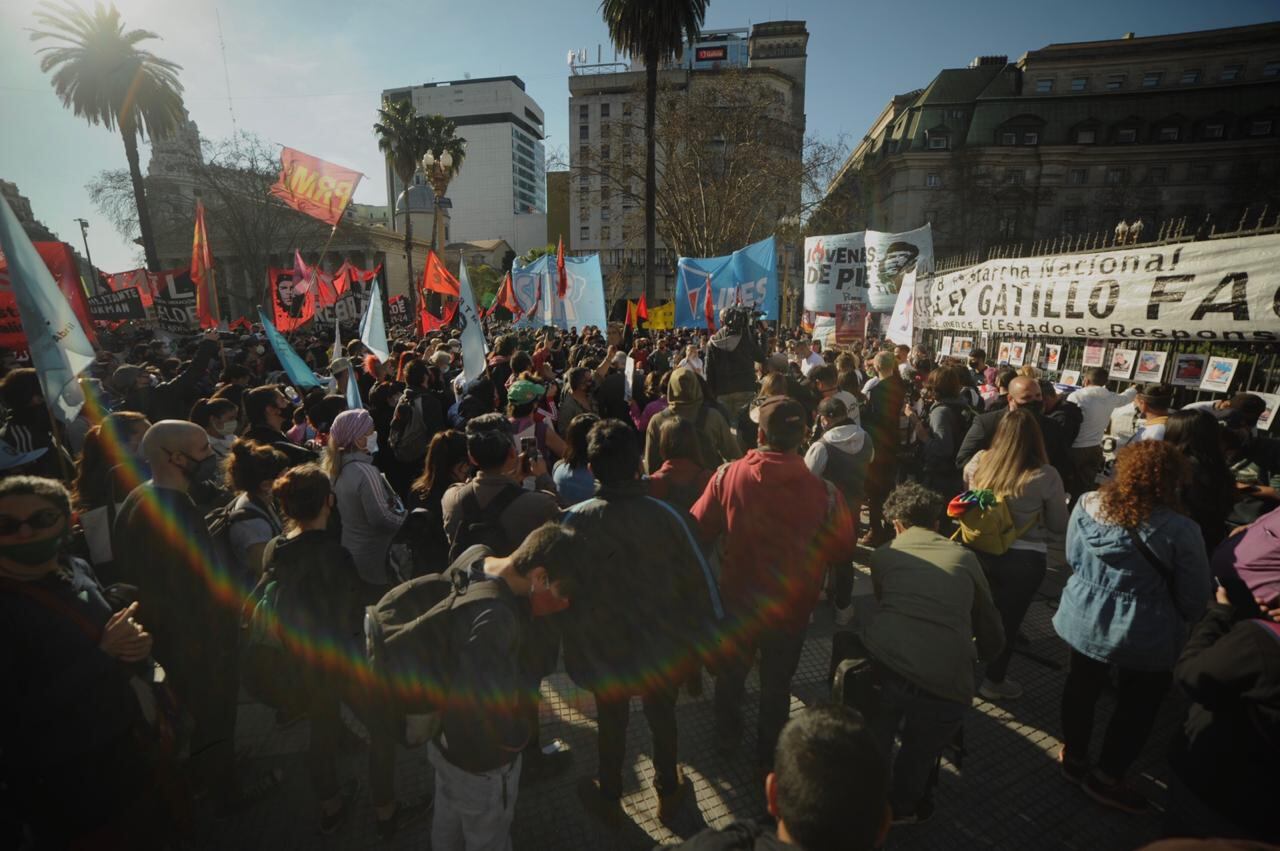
{"type": "Point", "coordinates": [1120, 611]}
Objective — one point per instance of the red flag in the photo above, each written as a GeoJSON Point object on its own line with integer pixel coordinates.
{"type": "Point", "coordinates": [291, 308]}
{"type": "Point", "coordinates": [136, 279]}
{"type": "Point", "coordinates": [428, 321]}
{"type": "Point", "coordinates": [506, 298]}
{"type": "Point", "coordinates": [62, 265]}
{"type": "Point", "coordinates": [315, 187]}
{"type": "Point", "coordinates": [562, 276]}
{"type": "Point", "coordinates": [436, 278]}
{"type": "Point", "coordinates": [709, 308]}
{"type": "Point", "coordinates": [631, 313]}
{"type": "Point", "coordinates": [202, 272]}
{"type": "Point", "coordinates": [242, 322]}
{"type": "Point", "coordinates": [642, 309]}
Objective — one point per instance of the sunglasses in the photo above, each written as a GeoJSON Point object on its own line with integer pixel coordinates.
{"type": "Point", "coordinates": [46, 518]}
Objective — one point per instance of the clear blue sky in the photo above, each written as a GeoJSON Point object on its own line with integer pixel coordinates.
{"type": "Point", "coordinates": [308, 73]}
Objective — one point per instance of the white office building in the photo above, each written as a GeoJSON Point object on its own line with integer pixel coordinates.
{"type": "Point", "coordinates": [501, 191]}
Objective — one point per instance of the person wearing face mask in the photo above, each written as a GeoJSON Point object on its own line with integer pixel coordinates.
{"type": "Point", "coordinates": [173, 398]}
{"type": "Point", "coordinates": [370, 511]}
{"type": "Point", "coordinates": [252, 520]}
{"type": "Point", "coordinates": [163, 548]}
{"type": "Point", "coordinates": [580, 384]}
{"type": "Point", "coordinates": [1024, 392]}
{"type": "Point", "coordinates": [219, 418]}
{"type": "Point", "coordinates": [79, 758]}
{"type": "Point", "coordinates": [269, 414]}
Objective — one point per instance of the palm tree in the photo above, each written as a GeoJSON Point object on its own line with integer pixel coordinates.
{"type": "Point", "coordinates": [102, 76]}
{"type": "Point", "coordinates": [442, 139]}
{"type": "Point", "coordinates": [654, 31]}
{"type": "Point", "coordinates": [402, 137]}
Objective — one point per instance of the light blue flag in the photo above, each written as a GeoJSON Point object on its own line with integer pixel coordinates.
{"type": "Point", "coordinates": [748, 276]}
{"type": "Point", "coordinates": [373, 328]}
{"type": "Point", "coordinates": [293, 365]}
{"type": "Point", "coordinates": [60, 351]}
{"type": "Point", "coordinates": [354, 402]}
{"type": "Point", "coordinates": [474, 351]}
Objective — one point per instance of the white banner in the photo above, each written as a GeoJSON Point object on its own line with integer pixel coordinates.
{"type": "Point", "coordinates": [847, 276]}
{"type": "Point", "coordinates": [1225, 289]}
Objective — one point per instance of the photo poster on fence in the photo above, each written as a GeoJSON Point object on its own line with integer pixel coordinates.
{"type": "Point", "coordinates": [1037, 352]}
{"type": "Point", "coordinates": [945, 349]}
{"type": "Point", "coordinates": [1053, 356]}
{"type": "Point", "coordinates": [748, 276]}
{"type": "Point", "coordinates": [1212, 290]}
{"type": "Point", "coordinates": [1069, 377]}
{"type": "Point", "coordinates": [1017, 353]}
{"type": "Point", "coordinates": [1218, 373]}
{"type": "Point", "coordinates": [1268, 416]}
{"type": "Point", "coordinates": [1002, 354]}
{"type": "Point", "coordinates": [1150, 367]}
{"type": "Point", "coordinates": [1188, 370]}
{"type": "Point", "coordinates": [1095, 354]}
{"type": "Point", "coordinates": [1122, 361]}
{"type": "Point", "coordinates": [848, 276]}
{"type": "Point", "coordinates": [961, 347]}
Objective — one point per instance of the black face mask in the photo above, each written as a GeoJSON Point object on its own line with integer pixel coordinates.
{"type": "Point", "coordinates": [1036, 407]}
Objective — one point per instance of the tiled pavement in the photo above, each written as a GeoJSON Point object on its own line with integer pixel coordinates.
{"type": "Point", "coordinates": [1007, 795]}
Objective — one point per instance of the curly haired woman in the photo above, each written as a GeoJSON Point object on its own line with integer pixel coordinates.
{"type": "Point", "coordinates": [1139, 576]}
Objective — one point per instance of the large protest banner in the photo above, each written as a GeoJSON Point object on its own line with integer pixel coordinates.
{"type": "Point", "coordinates": [1222, 289]}
{"type": "Point", "coordinates": [175, 301]}
{"type": "Point", "coordinates": [848, 275]}
{"type": "Point", "coordinates": [748, 276]}
{"type": "Point", "coordinates": [534, 287]}
{"type": "Point", "coordinates": [117, 306]}
{"type": "Point", "coordinates": [310, 185]}
{"type": "Point", "coordinates": [61, 263]}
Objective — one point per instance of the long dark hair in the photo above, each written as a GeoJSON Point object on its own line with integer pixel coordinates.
{"type": "Point", "coordinates": [575, 440]}
{"type": "Point", "coordinates": [447, 450]}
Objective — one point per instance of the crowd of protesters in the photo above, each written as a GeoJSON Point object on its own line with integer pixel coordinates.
{"type": "Point", "coordinates": [643, 508]}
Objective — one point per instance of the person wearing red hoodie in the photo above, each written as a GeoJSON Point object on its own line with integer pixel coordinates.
{"type": "Point", "coordinates": [681, 479]}
{"type": "Point", "coordinates": [782, 526]}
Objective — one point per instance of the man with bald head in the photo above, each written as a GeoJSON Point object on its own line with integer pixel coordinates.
{"type": "Point", "coordinates": [163, 548]}
{"type": "Point", "coordinates": [1024, 392]}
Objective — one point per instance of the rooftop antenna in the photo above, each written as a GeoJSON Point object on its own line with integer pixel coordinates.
{"type": "Point", "coordinates": [226, 78]}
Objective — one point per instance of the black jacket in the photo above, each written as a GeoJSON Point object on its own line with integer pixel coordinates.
{"type": "Point", "coordinates": [983, 431]}
{"type": "Point", "coordinates": [174, 399]}
{"type": "Point", "coordinates": [646, 600]}
{"type": "Point", "coordinates": [1230, 744]}
{"type": "Point", "coordinates": [320, 589]}
{"type": "Point", "coordinates": [731, 362]}
{"type": "Point", "coordinates": [276, 440]}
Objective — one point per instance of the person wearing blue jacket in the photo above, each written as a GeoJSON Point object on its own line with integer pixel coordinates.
{"type": "Point", "coordinates": [1140, 576]}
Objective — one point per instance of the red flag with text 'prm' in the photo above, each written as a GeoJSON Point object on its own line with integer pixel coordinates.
{"type": "Point", "coordinates": [312, 186]}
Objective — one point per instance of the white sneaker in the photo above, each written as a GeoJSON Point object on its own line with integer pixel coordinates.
{"type": "Point", "coordinates": [844, 615]}
{"type": "Point", "coordinates": [1005, 690]}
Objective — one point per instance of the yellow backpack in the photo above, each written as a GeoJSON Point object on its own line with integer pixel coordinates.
{"type": "Point", "coordinates": [984, 522]}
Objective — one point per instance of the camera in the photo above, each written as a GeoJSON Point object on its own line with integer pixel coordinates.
{"type": "Point", "coordinates": [738, 318]}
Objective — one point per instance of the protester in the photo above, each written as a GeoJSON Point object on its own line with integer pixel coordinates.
{"type": "Point", "coordinates": [523, 397]}
{"type": "Point", "coordinates": [776, 554]}
{"type": "Point", "coordinates": [1139, 576]}
{"type": "Point", "coordinates": [571, 474]}
{"type": "Point", "coordinates": [29, 427]}
{"type": "Point", "coordinates": [369, 509]}
{"type": "Point", "coordinates": [269, 413]}
{"type": "Point", "coordinates": [942, 429]}
{"type": "Point", "coordinates": [1209, 494]}
{"type": "Point", "coordinates": [252, 520]}
{"type": "Point", "coordinates": [1153, 404]}
{"type": "Point", "coordinates": [681, 479]}
{"type": "Point", "coordinates": [686, 400]}
{"type": "Point", "coordinates": [933, 617]}
{"type": "Point", "coordinates": [1016, 471]}
{"type": "Point", "coordinates": [219, 419]}
{"type": "Point", "coordinates": [885, 400]}
{"type": "Point", "coordinates": [1023, 393]}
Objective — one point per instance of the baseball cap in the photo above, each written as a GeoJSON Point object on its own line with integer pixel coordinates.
{"type": "Point", "coordinates": [523, 391]}
{"type": "Point", "coordinates": [11, 458]}
{"type": "Point", "coordinates": [834, 408]}
{"type": "Point", "coordinates": [777, 361]}
{"type": "Point", "coordinates": [780, 416]}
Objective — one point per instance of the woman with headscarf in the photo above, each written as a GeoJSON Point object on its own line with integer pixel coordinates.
{"type": "Point", "coordinates": [368, 508]}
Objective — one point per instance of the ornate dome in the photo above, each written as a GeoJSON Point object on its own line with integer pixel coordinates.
{"type": "Point", "coordinates": [419, 199]}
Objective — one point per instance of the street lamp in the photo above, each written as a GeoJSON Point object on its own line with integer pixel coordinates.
{"type": "Point", "coordinates": [84, 234]}
{"type": "Point", "coordinates": [437, 170]}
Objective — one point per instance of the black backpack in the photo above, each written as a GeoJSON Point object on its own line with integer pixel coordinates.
{"type": "Point", "coordinates": [483, 526]}
{"type": "Point", "coordinates": [408, 636]}
{"type": "Point", "coordinates": [419, 547]}
{"type": "Point", "coordinates": [220, 520]}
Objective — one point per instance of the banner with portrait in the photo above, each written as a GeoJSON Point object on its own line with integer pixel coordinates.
{"type": "Point", "coordinates": [534, 287]}
{"type": "Point", "coordinates": [1216, 290]}
{"type": "Point", "coordinates": [290, 309]}
{"type": "Point", "coordinates": [748, 276]}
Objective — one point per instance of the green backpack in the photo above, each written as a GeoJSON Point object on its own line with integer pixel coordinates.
{"type": "Point", "coordinates": [984, 522]}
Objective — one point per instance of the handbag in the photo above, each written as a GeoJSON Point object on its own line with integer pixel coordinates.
{"type": "Point", "coordinates": [1154, 560]}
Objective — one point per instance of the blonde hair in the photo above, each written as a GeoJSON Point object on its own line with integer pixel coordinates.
{"type": "Point", "coordinates": [1029, 371]}
{"type": "Point", "coordinates": [1016, 454]}
{"type": "Point", "coordinates": [773, 385]}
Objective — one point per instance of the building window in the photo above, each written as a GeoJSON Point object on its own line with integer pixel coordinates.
{"type": "Point", "coordinates": [938, 142]}
{"type": "Point", "coordinates": [1157, 174]}
{"type": "Point", "coordinates": [1086, 137]}
{"type": "Point", "coordinates": [1271, 69]}
{"type": "Point", "coordinates": [1116, 81]}
{"type": "Point", "coordinates": [604, 110]}
{"type": "Point", "coordinates": [1008, 138]}
{"type": "Point", "coordinates": [1151, 79]}
{"type": "Point", "coordinates": [604, 214]}
{"type": "Point", "coordinates": [1167, 134]}
{"type": "Point", "coordinates": [604, 153]}
{"type": "Point", "coordinates": [604, 232]}
{"type": "Point", "coordinates": [1117, 175]}
{"type": "Point", "coordinates": [1212, 131]}
{"type": "Point", "coordinates": [933, 180]}
{"type": "Point", "coordinates": [1190, 77]}
{"type": "Point", "coordinates": [1126, 135]}
{"type": "Point", "coordinates": [1008, 223]}
{"type": "Point", "coordinates": [1198, 172]}
{"type": "Point", "coordinates": [606, 192]}
{"type": "Point", "coordinates": [1044, 86]}
{"type": "Point", "coordinates": [1071, 220]}
{"type": "Point", "coordinates": [626, 107]}
{"type": "Point", "coordinates": [584, 132]}
{"type": "Point", "coordinates": [957, 114]}
{"type": "Point", "coordinates": [1078, 176]}
{"type": "Point", "coordinates": [584, 214]}
{"type": "Point", "coordinates": [1230, 73]}
{"type": "Point", "coordinates": [1031, 138]}
{"type": "Point", "coordinates": [1260, 128]}
{"type": "Point", "coordinates": [930, 216]}
{"type": "Point", "coordinates": [1079, 84]}
{"type": "Point", "coordinates": [1014, 176]}
{"type": "Point", "coordinates": [584, 112]}
{"type": "Point", "coordinates": [583, 153]}
{"type": "Point", "coordinates": [584, 232]}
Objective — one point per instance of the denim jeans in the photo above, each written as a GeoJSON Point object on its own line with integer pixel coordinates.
{"type": "Point", "coordinates": [1014, 577]}
{"type": "Point", "coordinates": [660, 711]}
{"type": "Point", "coordinates": [927, 724]}
{"type": "Point", "coordinates": [473, 812]}
{"type": "Point", "coordinates": [779, 657]}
